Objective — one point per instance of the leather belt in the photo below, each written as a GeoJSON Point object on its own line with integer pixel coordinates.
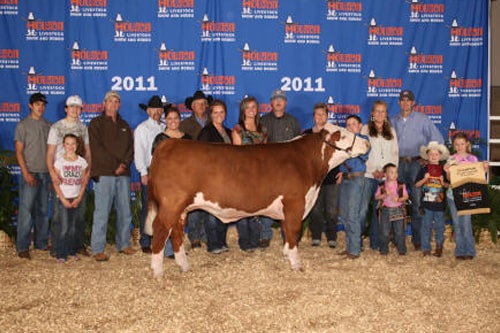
{"type": "Point", "coordinates": [351, 175]}
{"type": "Point", "coordinates": [409, 159]}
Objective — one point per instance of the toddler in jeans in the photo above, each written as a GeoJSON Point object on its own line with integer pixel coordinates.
{"type": "Point", "coordinates": [392, 196]}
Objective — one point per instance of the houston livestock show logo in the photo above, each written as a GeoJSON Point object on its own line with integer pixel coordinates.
{"type": "Point", "coordinates": [10, 112]}
{"type": "Point", "coordinates": [426, 12]}
{"type": "Point", "coordinates": [339, 62]}
{"type": "Point", "coordinates": [383, 87]}
{"type": "Point", "coordinates": [259, 9]}
{"type": "Point", "coordinates": [90, 110]}
{"type": "Point", "coordinates": [464, 87]}
{"type": "Point", "coordinates": [421, 63]}
{"type": "Point", "coordinates": [170, 60]}
{"type": "Point", "coordinates": [465, 36]}
{"type": "Point", "coordinates": [301, 33]}
{"type": "Point", "coordinates": [175, 8]}
{"type": "Point", "coordinates": [473, 135]}
{"type": "Point", "coordinates": [434, 112]}
{"type": "Point", "coordinates": [384, 35]}
{"type": "Point", "coordinates": [9, 59]}
{"type": "Point", "coordinates": [217, 84]}
{"type": "Point", "coordinates": [212, 31]}
{"type": "Point", "coordinates": [92, 60]}
{"type": "Point", "coordinates": [88, 8]}
{"type": "Point", "coordinates": [338, 112]}
{"type": "Point", "coordinates": [254, 60]}
{"type": "Point", "coordinates": [133, 32]}
{"type": "Point", "coordinates": [39, 30]}
{"type": "Point", "coordinates": [344, 10]}
{"type": "Point", "coordinates": [9, 7]}
{"type": "Point", "coordinates": [48, 84]}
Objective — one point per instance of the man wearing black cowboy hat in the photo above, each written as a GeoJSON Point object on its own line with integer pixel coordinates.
{"type": "Point", "coordinates": [198, 103]}
{"type": "Point", "coordinates": [144, 135]}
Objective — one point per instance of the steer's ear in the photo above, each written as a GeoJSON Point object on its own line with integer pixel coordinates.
{"type": "Point", "coordinates": [334, 137]}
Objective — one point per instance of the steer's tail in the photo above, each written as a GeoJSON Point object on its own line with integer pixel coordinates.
{"type": "Point", "coordinates": [152, 212]}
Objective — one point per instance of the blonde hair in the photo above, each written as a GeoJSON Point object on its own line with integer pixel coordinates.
{"type": "Point", "coordinates": [462, 135]}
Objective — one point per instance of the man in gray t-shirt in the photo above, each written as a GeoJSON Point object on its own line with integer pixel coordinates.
{"type": "Point", "coordinates": [280, 126]}
{"type": "Point", "coordinates": [30, 142]}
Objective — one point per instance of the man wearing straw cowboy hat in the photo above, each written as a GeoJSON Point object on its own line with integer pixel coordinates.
{"type": "Point", "coordinates": [144, 136]}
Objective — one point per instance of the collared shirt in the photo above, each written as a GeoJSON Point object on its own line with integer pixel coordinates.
{"type": "Point", "coordinates": [416, 131]}
{"type": "Point", "coordinates": [111, 144]}
{"type": "Point", "coordinates": [382, 151]}
{"type": "Point", "coordinates": [355, 164]}
{"type": "Point", "coordinates": [280, 129]}
{"type": "Point", "coordinates": [144, 135]}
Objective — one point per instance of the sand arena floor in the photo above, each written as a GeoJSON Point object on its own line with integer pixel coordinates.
{"type": "Point", "coordinates": [254, 292]}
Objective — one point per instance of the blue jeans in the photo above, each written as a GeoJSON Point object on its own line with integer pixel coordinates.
{"type": "Point", "coordinates": [369, 199]}
{"type": "Point", "coordinates": [33, 206]}
{"type": "Point", "coordinates": [144, 240]}
{"type": "Point", "coordinates": [437, 217]}
{"type": "Point", "coordinates": [169, 250]}
{"type": "Point", "coordinates": [352, 190]}
{"type": "Point", "coordinates": [111, 191]}
{"type": "Point", "coordinates": [56, 226]}
{"type": "Point", "coordinates": [266, 227]}
{"type": "Point", "coordinates": [408, 172]}
{"type": "Point", "coordinates": [385, 229]}
{"type": "Point", "coordinates": [196, 225]}
{"type": "Point", "coordinates": [249, 233]}
{"type": "Point", "coordinates": [324, 213]}
{"type": "Point", "coordinates": [216, 232]}
{"type": "Point", "coordinates": [465, 244]}
{"type": "Point", "coordinates": [66, 245]}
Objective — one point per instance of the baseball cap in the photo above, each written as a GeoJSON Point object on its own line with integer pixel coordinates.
{"type": "Point", "coordinates": [38, 97]}
{"type": "Point", "coordinates": [74, 100]}
{"type": "Point", "coordinates": [407, 94]}
{"type": "Point", "coordinates": [110, 94]}
{"type": "Point", "coordinates": [278, 93]}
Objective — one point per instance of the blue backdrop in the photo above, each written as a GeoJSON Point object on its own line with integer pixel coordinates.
{"type": "Point", "coordinates": [345, 53]}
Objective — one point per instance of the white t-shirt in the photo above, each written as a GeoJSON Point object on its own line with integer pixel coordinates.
{"type": "Point", "coordinates": [72, 174]}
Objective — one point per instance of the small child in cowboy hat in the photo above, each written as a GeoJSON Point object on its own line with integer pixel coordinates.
{"type": "Point", "coordinates": [433, 181]}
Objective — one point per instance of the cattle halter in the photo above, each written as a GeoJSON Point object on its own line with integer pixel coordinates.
{"type": "Point", "coordinates": [347, 150]}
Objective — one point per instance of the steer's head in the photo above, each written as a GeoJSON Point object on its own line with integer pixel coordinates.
{"type": "Point", "coordinates": [345, 144]}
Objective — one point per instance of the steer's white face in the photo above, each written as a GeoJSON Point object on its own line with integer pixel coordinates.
{"type": "Point", "coordinates": [346, 147]}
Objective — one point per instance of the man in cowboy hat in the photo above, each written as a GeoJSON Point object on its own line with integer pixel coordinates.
{"type": "Point", "coordinates": [198, 103]}
{"type": "Point", "coordinates": [144, 136]}
{"type": "Point", "coordinates": [413, 129]}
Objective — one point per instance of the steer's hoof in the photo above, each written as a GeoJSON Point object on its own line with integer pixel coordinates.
{"type": "Point", "coordinates": [185, 268]}
{"type": "Point", "coordinates": [297, 268]}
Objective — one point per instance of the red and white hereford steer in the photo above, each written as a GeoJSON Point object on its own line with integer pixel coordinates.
{"type": "Point", "coordinates": [279, 180]}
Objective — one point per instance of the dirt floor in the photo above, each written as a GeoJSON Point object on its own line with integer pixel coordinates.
{"type": "Point", "coordinates": [254, 292]}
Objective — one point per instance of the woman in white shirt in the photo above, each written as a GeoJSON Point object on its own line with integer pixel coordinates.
{"type": "Point", "coordinates": [384, 149]}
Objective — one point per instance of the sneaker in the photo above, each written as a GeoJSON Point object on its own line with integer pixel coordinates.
{"type": "Point", "coordinates": [24, 254]}
{"type": "Point", "coordinates": [74, 258]}
{"type": "Point", "coordinates": [224, 249]}
{"type": "Point", "coordinates": [332, 244]}
{"type": "Point", "coordinates": [60, 260]}
{"type": "Point", "coordinates": [217, 251]}
{"type": "Point", "coordinates": [315, 242]}
{"type": "Point", "coordinates": [127, 250]}
{"type": "Point", "coordinates": [101, 257]}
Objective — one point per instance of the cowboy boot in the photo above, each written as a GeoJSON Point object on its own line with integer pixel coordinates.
{"type": "Point", "coordinates": [438, 252]}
